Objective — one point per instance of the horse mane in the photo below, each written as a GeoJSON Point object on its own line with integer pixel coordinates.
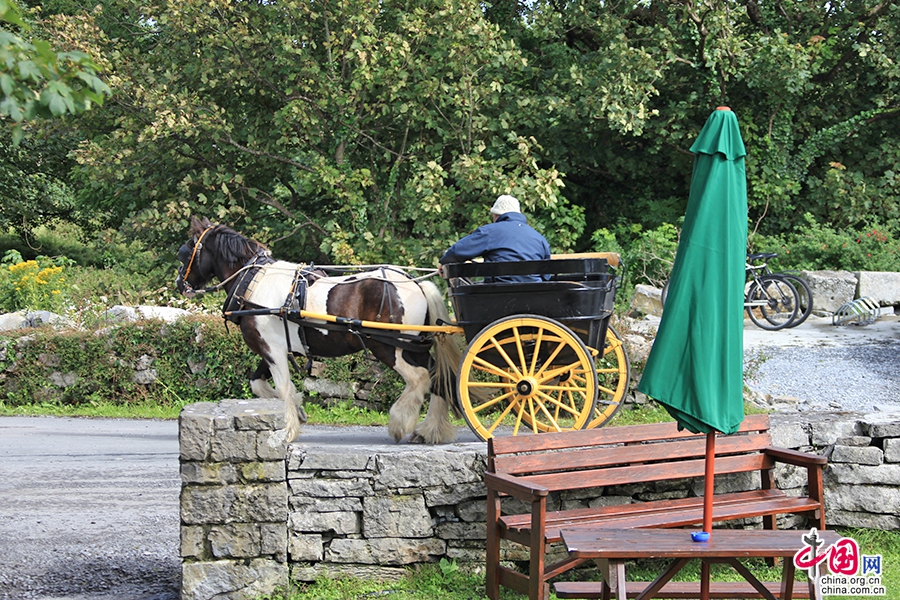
{"type": "Point", "coordinates": [235, 249]}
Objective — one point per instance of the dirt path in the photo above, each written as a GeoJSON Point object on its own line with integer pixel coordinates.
{"type": "Point", "coordinates": [88, 509]}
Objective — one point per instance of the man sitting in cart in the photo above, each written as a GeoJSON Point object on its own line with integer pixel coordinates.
{"type": "Point", "coordinates": [507, 238]}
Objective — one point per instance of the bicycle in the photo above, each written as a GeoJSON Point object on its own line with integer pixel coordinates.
{"type": "Point", "coordinates": [804, 292]}
{"type": "Point", "coordinates": [771, 300]}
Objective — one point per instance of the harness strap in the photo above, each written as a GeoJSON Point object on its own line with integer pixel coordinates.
{"type": "Point", "coordinates": [197, 246]}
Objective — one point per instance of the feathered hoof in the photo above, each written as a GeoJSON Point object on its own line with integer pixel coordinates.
{"type": "Point", "coordinates": [415, 438]}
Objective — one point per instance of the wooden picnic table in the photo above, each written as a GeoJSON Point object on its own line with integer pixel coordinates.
{"type": "Point", "coordinates": [610, 548]}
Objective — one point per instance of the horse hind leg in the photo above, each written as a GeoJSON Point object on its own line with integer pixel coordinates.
{"type": "Point", "coordinates": [436, 428]}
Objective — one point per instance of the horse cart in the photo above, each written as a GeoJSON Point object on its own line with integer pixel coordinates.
{"type": "Point", "coordinates": [541, 356]}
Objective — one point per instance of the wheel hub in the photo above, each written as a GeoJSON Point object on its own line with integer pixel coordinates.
{"type": "Point", "coordinates": [526, 387]}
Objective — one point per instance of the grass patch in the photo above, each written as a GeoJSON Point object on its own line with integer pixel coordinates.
{"type": "Point", "coordinates": [104, 410]}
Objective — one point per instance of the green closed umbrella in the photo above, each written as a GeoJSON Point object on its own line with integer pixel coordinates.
{"type": "Point", "coordinates": [695, 368]}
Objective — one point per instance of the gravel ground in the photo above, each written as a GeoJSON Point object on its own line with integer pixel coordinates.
{"type": "Point", "coordinates": [863, 378]}
{"type": "Point", "coordinates": [820, 367]}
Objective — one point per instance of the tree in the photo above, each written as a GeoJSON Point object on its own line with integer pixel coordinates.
{"type": "Point", "coordinates": [353, 132]}
{"type": "Point", "coordinates": [36, 81]}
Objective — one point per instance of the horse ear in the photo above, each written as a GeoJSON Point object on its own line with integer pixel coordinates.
{"type": "Point", "coordinates": [197, 226]}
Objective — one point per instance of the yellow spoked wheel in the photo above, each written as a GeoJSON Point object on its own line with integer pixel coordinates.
{"type": "Point", "coordinates": [613, 375]}
{"type": "Point", "coordinates": [526, 370]}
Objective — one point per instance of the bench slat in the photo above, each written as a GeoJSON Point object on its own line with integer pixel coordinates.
{"type": "Point", "coordinates": [680, 589]}
{"type": "Point", "coordinates": [670, 452]}
{"type": "Point", "coordinates": [499, 446]}
{"type": "Point", "coordinates": [741, 505]}
{"type": "Point", "coordinates": [650, 472]}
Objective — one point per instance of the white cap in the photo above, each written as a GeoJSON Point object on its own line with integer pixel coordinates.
{"type": "Point", "coordinates": [505, 204]}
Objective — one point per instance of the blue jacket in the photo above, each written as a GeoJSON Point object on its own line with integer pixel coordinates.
{"type": "Point", "coordinates": [509, 238]}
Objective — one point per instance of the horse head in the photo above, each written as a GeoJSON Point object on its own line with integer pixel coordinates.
{"type": "Point", "coordinates": [213, 251]}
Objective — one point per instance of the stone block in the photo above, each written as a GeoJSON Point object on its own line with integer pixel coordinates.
{"type": "Point", "coordinates": [892, 450]}
{"type": "Point", "coordinates": [271, 445]}
{"type": "Point", "coordinates": [851, 475]}
{"type": "Point", "coordinates": [338, 523]}
{"type": "Point", "coordinates": [830, 289]}
{"type": "Point", "coordinates": [875, 499]}
{"type": "Point", "coordinates": [234, 503]}
{"type": "Point", "coordinates": [235, 540]}
{"type": "Point", "coordinates": [230, 445]}
{"type": "Point", "coordinates": [273, 540]}
{"type": "Point", "coordinates": [868, 455]}
{"type": "Point", "coordinates": [325, 570]}
{"type": "Point", "coordinates": [476, 510]}
{"type": "Point", "coordinates": [790, 435]}
{"type": "Point", "coordinates": [318, 459]}
{"type": "Point", "coordinates": [858, 441]}
{"type": "Point", "coordinates": [825, 433]}
{"type": "Point", "coordinates": [881, 286]}
{"type": "Point", "coordinates": [455, 494]}
{"type": "Point", "coordinates": [396, 516]}
{"type": "Point", "coordinates": [306, 547]}
{"type": "Point", "coordinates": [207, 473]}
{"type": "Point", "coordinates": [195, 431]}
{"type": "Point", "coordinates": [262, 471]}
{"type": "Point", "coordinates": [461, 531]}
{"type": "Point", "coordinates": [431, 467]}
{"type": "Point", "coordinates": [259, 415]}
{"type": "Point", "coordinates": [193, 541]}
{"type": "Point", "coordinates": [330, 389]}
{"type": "Point", "coordinates": [843, 518]}
{"type": "Point", "coordinates": [610, 501]}
{"type": "Point", "coordinates": [330, 488]}
{"type": "Point", "coordinates": [646, 300]}
{"type": "Point", "coordinates": [882, 425]}
{"type": "Point", "coordinates": [231, 579]}
{"type": "Point", "coordinates": [385, 551]}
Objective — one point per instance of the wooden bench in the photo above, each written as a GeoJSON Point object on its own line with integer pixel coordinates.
{"type": "Point", "coordinates": [531, 467]}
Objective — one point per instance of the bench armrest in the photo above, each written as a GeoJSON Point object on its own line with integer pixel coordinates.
{"type": "Point", "coordinates": [797, 458]}
{"type": "Point", "coordinates": [513, 486]}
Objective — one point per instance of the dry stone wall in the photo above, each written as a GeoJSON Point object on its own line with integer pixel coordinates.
{"type": "Point", "coordinates": [258, 513]}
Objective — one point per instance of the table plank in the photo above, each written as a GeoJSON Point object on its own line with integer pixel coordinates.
{"type": "Point", "coordinates": [623, 544]}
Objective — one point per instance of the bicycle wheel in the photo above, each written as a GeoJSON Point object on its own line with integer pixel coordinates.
{"type": "Point", "coordinates": [804, 295]}
{"type": "Point", "coordinates": [771, 302]}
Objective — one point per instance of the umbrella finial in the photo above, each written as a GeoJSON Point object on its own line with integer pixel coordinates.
{"type": "Point", "coordinates": [723, 108]}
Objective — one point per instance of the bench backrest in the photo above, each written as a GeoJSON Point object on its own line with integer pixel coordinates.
{"type": "Point", "coordinates": [621, 455]}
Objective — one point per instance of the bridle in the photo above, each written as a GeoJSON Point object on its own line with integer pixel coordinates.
{"type": "Point", "coordinates": [198, 245]}
{"type": "Point", "coordinates": [185, 270]}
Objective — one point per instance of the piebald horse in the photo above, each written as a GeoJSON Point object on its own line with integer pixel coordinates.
{"type": "Point", "coordinates": [254, 282]}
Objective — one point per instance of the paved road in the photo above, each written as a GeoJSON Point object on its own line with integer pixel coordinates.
{"type": "Point", "coordinates": [88, 509]}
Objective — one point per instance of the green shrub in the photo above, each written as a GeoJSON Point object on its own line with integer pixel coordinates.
{"type": "Point", "coordinates": [875, 247]}
{"type": "Point", "coordinates": [192, 360]}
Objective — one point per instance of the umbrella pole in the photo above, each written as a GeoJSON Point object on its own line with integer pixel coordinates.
{"type": "Point", "coordinates": [709, 481]}
{"type": "Point", "coordinates": [708, 490]}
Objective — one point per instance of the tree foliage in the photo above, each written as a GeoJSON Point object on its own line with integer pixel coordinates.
{"type": "Point", "coordinates": [382, 130]}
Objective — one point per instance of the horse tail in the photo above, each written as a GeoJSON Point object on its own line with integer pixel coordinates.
{"type": "Point", "coordinates": [448, 349]}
